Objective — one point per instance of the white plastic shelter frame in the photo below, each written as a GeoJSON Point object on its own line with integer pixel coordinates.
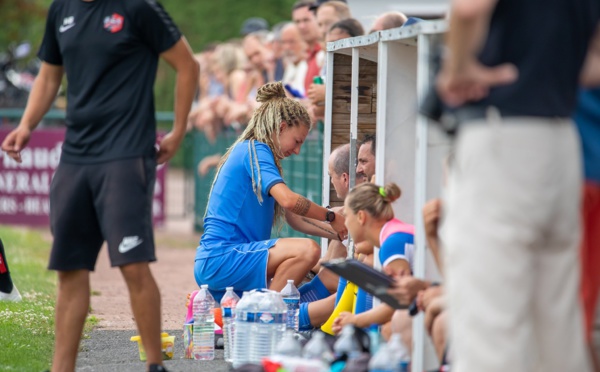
{"type": "Point", "coordinates": [407, 151]}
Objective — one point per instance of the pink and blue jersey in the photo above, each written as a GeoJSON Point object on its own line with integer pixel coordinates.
{"type": "Point", "coordinates": [397, 242]}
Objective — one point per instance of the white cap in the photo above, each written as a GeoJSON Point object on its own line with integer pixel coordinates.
{"type": "Point", "coordinates": [204, 286]}
{"type": "Point", "coordinates": [291, 281]}
{"type": "Point", "coordinates": [229, 288]}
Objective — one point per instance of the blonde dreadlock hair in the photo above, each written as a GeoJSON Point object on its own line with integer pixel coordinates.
{"type": "Point", "coordinates": [264, 126]}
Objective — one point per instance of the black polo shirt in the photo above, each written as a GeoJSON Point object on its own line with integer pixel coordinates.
{"type": "Point", "coordinates": [547, 40]}
{"type": "Point", "coordinates": [110, 51]}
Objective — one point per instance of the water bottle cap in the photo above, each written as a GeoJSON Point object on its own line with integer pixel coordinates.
{"type": "Point", "coordinates": [290, 281]}
{"type": "Point", "coordinates": [229, 288]}
{"type": "Point", "coordinates": [204, 286]}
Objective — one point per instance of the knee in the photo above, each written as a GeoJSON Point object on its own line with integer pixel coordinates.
{"type": "Point", "coordinates": [314, 253]}
{"type": "Point", "coordinates": [136, 273]}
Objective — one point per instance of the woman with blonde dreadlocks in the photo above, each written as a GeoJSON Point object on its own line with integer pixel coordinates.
{"type": "Point", "coordinates": [249, 196]}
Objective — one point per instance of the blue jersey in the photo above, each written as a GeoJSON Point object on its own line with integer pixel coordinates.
{"type": "Point", "coordinates": [234, 214]}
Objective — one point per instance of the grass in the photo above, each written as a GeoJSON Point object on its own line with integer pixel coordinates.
{"type": "Point", "coordinates": [27, 327]}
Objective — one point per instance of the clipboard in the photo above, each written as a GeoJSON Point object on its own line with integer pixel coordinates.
{"type": "Point", "coordinates": [372, 281]}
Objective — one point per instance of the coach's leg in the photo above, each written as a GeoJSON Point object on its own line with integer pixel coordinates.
{"type": "Point", "coordinates": [72, 305]}
{"type": "Point", "coordinates": [145, 304]}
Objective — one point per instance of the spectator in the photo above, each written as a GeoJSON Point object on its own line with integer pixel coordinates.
{"type": "Point", "coordinates": [365, 162]}
{"type": "Point", "coordinates": [306, 21]}
{"type": "Point", "coordinates": [344, 29]}
{"type": "Point", "coordinates": [339, 170]}
{"type": "Point", "coordinates": [329, 13]}
{"type": "Point", "coordinates": [388, 21]}
{"type": "Point", "coordinates": [211, 114]}
{"type": "Point", "coordinates": [349, 27]}
{"type": "Point", "coordinates": [101, 190]}
{"type": "Point", "coordinates": [274, 42]}
{"type": "Point", "coordinates": [515, 182]}
{"type": "Point", "coordinates": [294, 57]}
{"type": "Point", "coordinates": [262, 58]}
{"type": "Point", "coordinates": [253, 24]}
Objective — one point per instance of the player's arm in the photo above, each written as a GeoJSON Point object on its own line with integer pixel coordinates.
{"type": "Point", "coordinates": [42, 95]}
{"type": "Point", "coordinates": [44, 90]}
{"type": "Point", "coordinates": [298, 204]}
{"type": "Point", "coordinates": [310, 226]}
{"type": "Point", "coordinates": [590, 75]}
{"type": "Point", "coordinates": [180, 57]}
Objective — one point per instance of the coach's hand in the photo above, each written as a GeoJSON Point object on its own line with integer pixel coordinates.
{"type": "Point", "coordinates": [168, 146]}
{"type": "Point", "coordinates": [15, 141]}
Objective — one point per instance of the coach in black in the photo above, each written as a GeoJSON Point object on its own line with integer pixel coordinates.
{"type": "Point", "coordinates": [103, 186]}
{"type": "Point", "coordinates": [511, 71]}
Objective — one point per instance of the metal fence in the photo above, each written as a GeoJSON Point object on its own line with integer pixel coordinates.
{"type": "Point", "coordinates": [302, 173]}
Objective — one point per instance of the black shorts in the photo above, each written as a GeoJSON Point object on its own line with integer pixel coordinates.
{"type": "Point", "coordinates": [93, 203]}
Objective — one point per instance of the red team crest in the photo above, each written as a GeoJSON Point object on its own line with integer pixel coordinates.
{"type": "Point", "coordinates": [114, 23]}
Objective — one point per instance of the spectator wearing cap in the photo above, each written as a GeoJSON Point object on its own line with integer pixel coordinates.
{"type": "Point", "coordinates": [294, 57]}
{"type": "Point", "coordinates": [254, 24]}
{"type": "Point", "coordinates": [306, 21]}
{"type": "Point", "coordinates": [329, 13]}
{"type": "Point", "coordinates": [388, 21]}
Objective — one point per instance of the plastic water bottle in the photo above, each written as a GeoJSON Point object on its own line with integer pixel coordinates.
{"type": "Point", "coordinates": [269, 325]}
{"type": "Point", "coordinates": [383, 360]}
{"type": "Point", "coordinates": [400, 353]}
{"type": "Point", "coordinates": [204, 325]}
{"type": "Point", "coordinates": [245, 314]}
{"type": "Point", "coordinates": [317, 348]}
{"type": "Point", "coordinates": [374, 339]}
{"type": "Point", "coordinates": [228, 304]}
{"type": "Point", "coordinates": [289, 346]}
{"type": "Point", "coordinates": [291, 298]}
{"type": "Point", "coordinates": [347, 343]}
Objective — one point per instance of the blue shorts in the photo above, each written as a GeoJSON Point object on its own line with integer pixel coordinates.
{"type": "Point", "coordinates": [243, 267]}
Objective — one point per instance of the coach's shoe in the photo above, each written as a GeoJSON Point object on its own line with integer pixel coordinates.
{"type": "Point", "coordinates": [13, 296]}
{"type": "Point", "coordinates": [157, 368]}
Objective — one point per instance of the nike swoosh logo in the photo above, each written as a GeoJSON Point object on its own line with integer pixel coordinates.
{"type": "Point", "coordinates": [64, 28]}
{"type": "Point", "coordinates": [128, 244]}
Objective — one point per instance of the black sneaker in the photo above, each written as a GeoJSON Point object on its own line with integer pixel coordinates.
{"type": "Point", "coordinates": [157, 368]}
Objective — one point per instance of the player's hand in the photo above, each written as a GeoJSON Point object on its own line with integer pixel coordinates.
{"type": "Point", "coordinates": [342, 319]}
{"type": "Point", "coordinates": [431, 217]}
{"type": "Point", "coordinates": [339, 225]}
{"type": "Point", "coordinates": [472, 81]}
{"type": "Point", "coordinates": [426, 297]}
{"type": "Point", "coordinates": [168, 147]}
{"type": "Point", "coordinates": [15, 141]}
{"type": "Point", "coordinates": [406, 288]}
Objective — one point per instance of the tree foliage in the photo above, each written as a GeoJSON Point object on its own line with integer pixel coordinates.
{"type": "Point", "coordinates": [201, 21]}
